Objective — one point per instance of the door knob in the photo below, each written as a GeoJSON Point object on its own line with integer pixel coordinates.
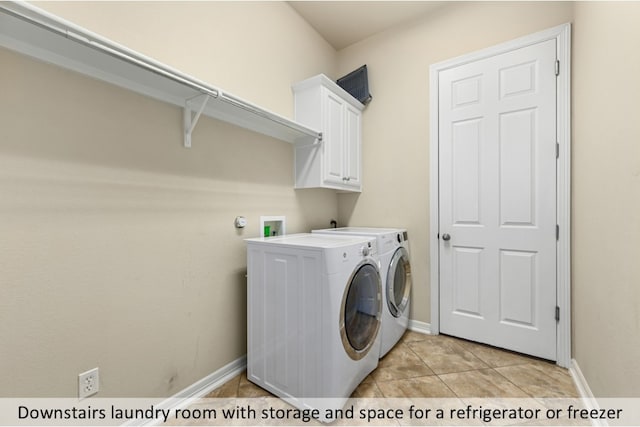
{"type": "Point", "coordinates": [446, 237]}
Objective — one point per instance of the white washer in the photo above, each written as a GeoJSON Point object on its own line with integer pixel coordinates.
{"type": "Point", "coordinates": [395, 270]}
{"type": "Point", "coordinates": [313, 305]}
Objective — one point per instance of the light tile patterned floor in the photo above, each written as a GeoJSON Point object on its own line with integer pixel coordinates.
{"type": "Point", "coordinates": [434, 366]}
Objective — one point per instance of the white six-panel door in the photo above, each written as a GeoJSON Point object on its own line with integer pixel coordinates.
{"type": "Point", "coordinates": [497, 200]}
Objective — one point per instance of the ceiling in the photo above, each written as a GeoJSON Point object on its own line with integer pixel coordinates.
{"type": "Point", "coordinates": [343, 23]}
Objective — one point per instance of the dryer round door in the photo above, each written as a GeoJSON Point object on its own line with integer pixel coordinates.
{"type": "Point", "coordinates": [360, 311]}
{"type": "Point", "coordinates": [398, 286]}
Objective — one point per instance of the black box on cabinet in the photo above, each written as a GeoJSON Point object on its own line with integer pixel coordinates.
{"type": "Point", "coordinates": [357, 84]}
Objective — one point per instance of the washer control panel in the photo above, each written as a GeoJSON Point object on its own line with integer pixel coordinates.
{"type": "Point", "coordinates": [370, 249]}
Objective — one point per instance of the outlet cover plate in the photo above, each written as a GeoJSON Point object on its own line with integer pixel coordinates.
{"type": "Point", "coordinates": [88, 383]}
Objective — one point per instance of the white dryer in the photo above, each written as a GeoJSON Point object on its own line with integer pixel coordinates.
{"type": "Point", "coordinates": [395, 270]}
{"type": "Point", "coordinates": [314, 304]}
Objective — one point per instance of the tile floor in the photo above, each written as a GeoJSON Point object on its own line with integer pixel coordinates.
{"type": "Point", "coordinates": [440, 367]}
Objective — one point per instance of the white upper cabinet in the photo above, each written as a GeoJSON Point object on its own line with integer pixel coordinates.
{"type": "Point", "coordinates": [335, 162]}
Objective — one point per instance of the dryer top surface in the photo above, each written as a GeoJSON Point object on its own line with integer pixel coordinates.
{"type": "Point", "coordinates": [361, 231]}
{"type": "Point", "coordinates": [323, 241]}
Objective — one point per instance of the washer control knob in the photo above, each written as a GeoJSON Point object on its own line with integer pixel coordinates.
{"type": "Point", "coordinates": [365, 251]}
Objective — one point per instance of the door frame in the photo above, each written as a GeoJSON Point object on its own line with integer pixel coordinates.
{"type": "Point", "coordinates": [562, 35]}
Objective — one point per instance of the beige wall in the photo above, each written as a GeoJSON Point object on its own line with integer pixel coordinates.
{"type": "Point", "coordinates": [118, 247]}
{"type": "Point", "coordinates": [606, 196]}
{"type": "Point", "coordinates": [396, 123]}
{"type": "Point", "coordinates": [253, 49]}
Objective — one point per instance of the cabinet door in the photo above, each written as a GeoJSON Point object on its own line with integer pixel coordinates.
{"type": "Point", "coordinates": [352, 146]}
{"type": "Point", "coordinates": [333, 138]}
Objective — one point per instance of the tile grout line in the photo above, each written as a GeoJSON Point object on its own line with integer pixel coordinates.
{"type": "Point", "coordinates": [447, 386]}
{"type": "Point", "coordinates": [493, 368]}
{"type": "Point", "coordinates": [514, 384]}
{"type": "Point", "coordinates": [475, 355]}
{"type": "Point", "coordinates": [420, 358]}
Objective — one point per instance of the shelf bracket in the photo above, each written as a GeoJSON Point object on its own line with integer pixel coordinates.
{"type": "Point", "coordinates": [190, 121]}
{"type": "Point", "coordinates": [315, 144]}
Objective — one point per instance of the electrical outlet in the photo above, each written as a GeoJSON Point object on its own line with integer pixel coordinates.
{"type": "Point", "coordinates": [88, 383]}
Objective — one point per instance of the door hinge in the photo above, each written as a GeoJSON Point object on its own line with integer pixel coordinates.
{"type": "Point", "coordinates": [557, 67]}
{"type": "Point", "coordinates": [557, 232]}
{"type": "Point", "coordinates": [557, 313]}
{"type": "Point", "coordinates": [557, 150]}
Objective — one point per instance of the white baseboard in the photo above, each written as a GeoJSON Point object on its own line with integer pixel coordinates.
{"type": "Point", "coordinates": [214, 380]}
{"type": "Point", "coordinates": [418, 326]}
{"type": "Point", "coordinates": [580, 381]}
{"type": "Point", "coordinates": [198, 389]}
{"type": "Point", "coordinates": [588, 399]}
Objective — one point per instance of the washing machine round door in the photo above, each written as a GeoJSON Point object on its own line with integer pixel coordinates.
{"type": "Point", "coordinates": [360, 310]}
{"type": "Point", "coordinates": [398, 284]}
